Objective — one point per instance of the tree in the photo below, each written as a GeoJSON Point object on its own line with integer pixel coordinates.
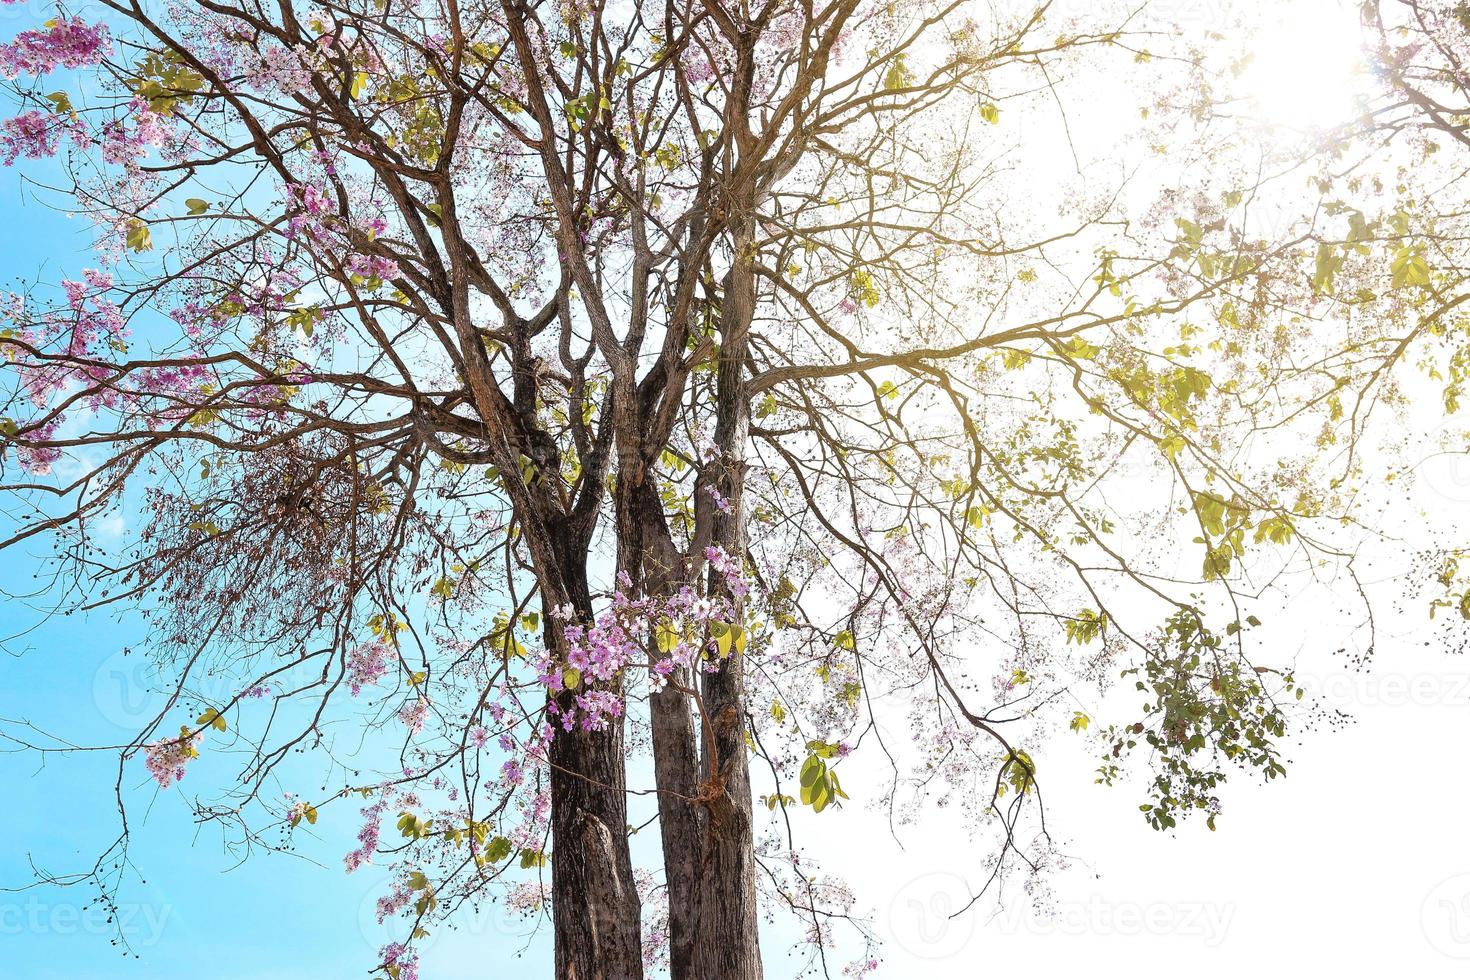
{"type": "Point", "coordinates": [504, 375]}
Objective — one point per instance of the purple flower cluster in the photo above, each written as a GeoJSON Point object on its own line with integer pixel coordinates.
{"type": "Point", "coordinates": [35, 135]}
{"type": "Point", "coordinates": [367, 837]}
{"type": "Point", "coordinates": [366, 664]}
{"type": "Point", "coordinates": [728, 566]}
{"type": "Point", "coordinates": [167, 759]}
{"type": "Point", "coordinates": [61, 44]}
{"type": "Point", "coordinates": [404, 961]}
{"type": "Point", "coordinates": [597, 654]}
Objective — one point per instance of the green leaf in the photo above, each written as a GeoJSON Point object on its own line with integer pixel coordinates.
{"type": "Point", "coordinates": [824, 750]}
{"type": "Point", "coordinates": [197, 205]}
{"type": "Point", "coordinates": [1410, 269]}
{"type": "Point", "coordinates": [1328, 263]}
{"type": "Point", "coordinates": [1020, 771]}
{"type": "Point", "coordinates": [498, 850]}
{"type": "Point", "coordinates": [821, 796]}
{"type": "Point", "coordinates": [139, 239]}
{"type": "Point", "coordinates": [1085, 627]}
{"type": "Point", "coordinates": [812, 772]}
{"type": "Point", "coordinates": [213, 718]}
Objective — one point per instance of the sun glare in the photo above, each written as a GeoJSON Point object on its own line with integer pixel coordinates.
{"type": "Point", "coordinates": [1307, 69]}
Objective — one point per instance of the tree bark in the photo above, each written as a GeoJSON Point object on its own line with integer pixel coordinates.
{"type": "Point", "coordinates": [728, 944]}
{"type": "Point", "coordinates": [596, 911]}
{"type": "Point", "coordinates": [595, 905]}
{"type": "Point", "coordinates": [675, 754]}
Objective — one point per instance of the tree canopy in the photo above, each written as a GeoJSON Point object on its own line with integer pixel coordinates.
{"type": "Point", "coordinates": [527, 408]}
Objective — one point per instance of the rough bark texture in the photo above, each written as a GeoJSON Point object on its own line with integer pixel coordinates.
{"type": "Point", "coordinates": [676, 769]}
{"type": "Point", "coordinates": [595, 906]}
{"type": "Point", "coordinates": [728, 945]}
{"type": "Point", "coordinates": [675, 760]}
{"type": "Point", "coordinates": [646, 552]}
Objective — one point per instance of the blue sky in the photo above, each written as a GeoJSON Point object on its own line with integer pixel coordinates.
{"type": "Point", "coordinates": [189, 902]}
{"type": "Point", "coordinates": [188, 898]}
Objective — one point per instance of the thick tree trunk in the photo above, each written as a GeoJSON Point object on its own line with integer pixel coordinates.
{"type": "Point", "coordinates": [594, 904]}
{"type": "Point", "coordinates": [646, 553]}
{"type": "Point", "coordinates": [675, 756]}
{"type": "Point", "coordinates": [676, 770]}
{"type": "Point", "coordinates": [728, 945]}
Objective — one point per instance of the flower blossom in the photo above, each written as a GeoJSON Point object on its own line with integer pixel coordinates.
{"type": "Point", "coordinates": [167, 759]}
{"type": "Point", "coordinates": [62, 44]}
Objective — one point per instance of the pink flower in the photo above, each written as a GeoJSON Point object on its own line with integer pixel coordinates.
{"type": "Point", "coordinates": [63, 44]}
{"type": "Point", "coordinates": [366, 664]}
{"type": "Point", "coordinates": [124, 147]}
{"type": "Point", "coordinates": [405, 959]}
{"type": "Point", "coordinates": [372, 266]}
{"type": "Point", "coordinates": [414, 714]}
{"type": "Point", "coordinates": [367, 837]}
{"type": "Point", "coordinates": [728, 566]}
{"type": "Point", "coordinates": [722, 503]}
{"type": "Point", "coordinates": [315, 201]}
{"type": "Point", "coordinates": [33, 135]}
{"type": "Point", "coordinates": [167, 759]}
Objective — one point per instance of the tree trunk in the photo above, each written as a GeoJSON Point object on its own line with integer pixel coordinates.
{"type": "Point", "coordinates": [675, 762]}
{"type": "Point", "coordinates": [675, 755]}
{"type": "Point", "coordinates": [594, 903]}
{"type": "Point", "coordinates": [728, 945]}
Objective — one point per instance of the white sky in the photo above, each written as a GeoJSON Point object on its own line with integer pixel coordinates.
{"type": "Point", "coordinates": [1356, 863]}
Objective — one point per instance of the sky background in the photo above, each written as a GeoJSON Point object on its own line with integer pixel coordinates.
{"type": "Point", "coordinates": [1356, 863]}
